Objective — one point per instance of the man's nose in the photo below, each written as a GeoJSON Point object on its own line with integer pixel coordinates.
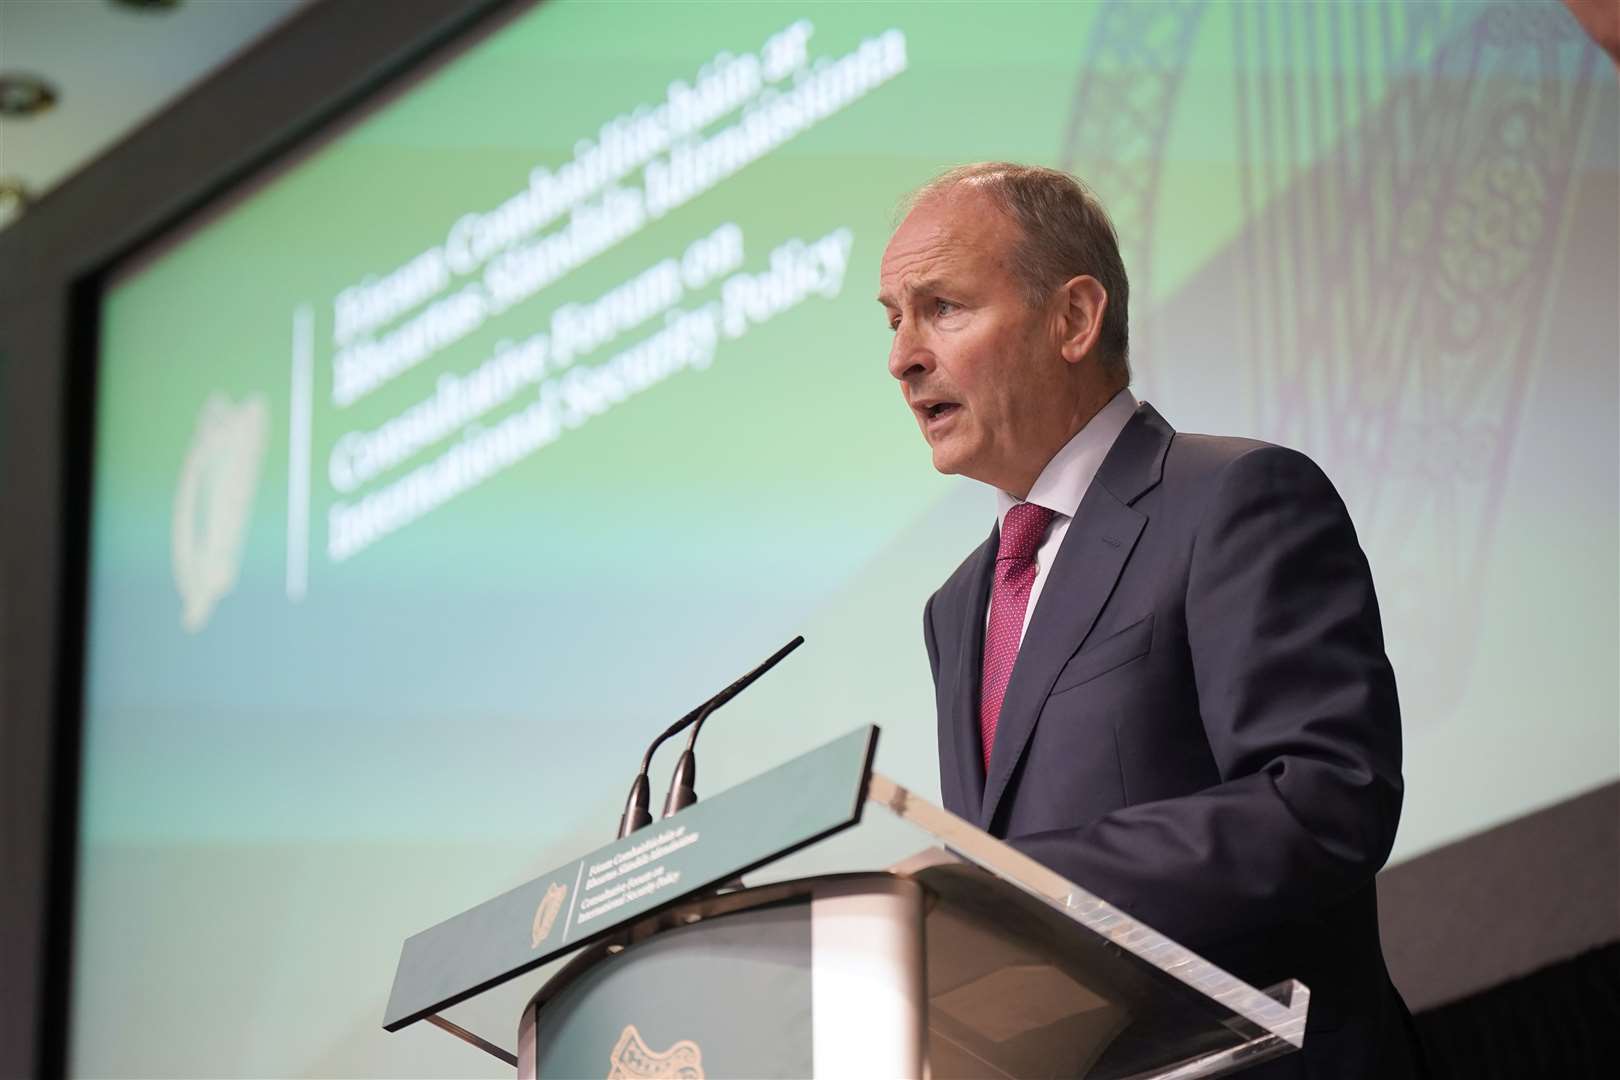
{"type": "Point", "coordinates": [908, 357]}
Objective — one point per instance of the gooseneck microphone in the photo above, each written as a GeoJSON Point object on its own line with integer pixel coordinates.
{"type": "Point", "coordinates": [636, 812]}
{"type": "Point", "coordinates": [682, 791]}
{"type": "Point", "coordinates": [636, 807]}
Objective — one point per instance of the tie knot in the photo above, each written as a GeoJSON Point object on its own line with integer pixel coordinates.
{"type": "Point", "coordinates": [1022, 530]}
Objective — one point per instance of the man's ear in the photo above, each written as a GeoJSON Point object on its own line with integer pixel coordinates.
{"type": "Point", "coordinates": [1085, 303]}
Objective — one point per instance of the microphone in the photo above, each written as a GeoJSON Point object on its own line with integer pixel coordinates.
{"type": "Point", "coordinates": [681, 785]}
{"type": "Point", "coordinates": [636, 812]}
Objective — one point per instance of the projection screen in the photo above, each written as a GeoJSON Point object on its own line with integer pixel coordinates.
{"type": "Point", "coordinates": [437, 470]}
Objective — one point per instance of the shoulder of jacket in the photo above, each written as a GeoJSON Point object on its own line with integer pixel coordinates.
{"type": "Point", "coordinates": [1200, 457]}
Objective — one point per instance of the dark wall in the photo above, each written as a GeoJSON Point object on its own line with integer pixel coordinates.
{"type": "Point", "coordinates": [238, 120]}
{"type": "Point", "coordinates": [1499, 905]}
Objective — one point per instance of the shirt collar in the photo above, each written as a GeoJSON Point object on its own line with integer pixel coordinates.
{"type": "Point", "coordinates": [1063, 483]}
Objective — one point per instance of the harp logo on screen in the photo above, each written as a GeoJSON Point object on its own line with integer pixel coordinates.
{"type": "Point", "coordinates": [545, 916]}
{"type": "Point", "coordinates": [214, 500]}
{"type": "Point", "coordinates": [633, 1059]}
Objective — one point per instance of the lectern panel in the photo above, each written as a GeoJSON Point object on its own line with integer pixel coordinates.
{"type": "Point", "coordinates": [703, 846]}
{"type": "Point", "coordinates": [726, 997]}
{"type": "Point", "coordinates": [726, 1012]}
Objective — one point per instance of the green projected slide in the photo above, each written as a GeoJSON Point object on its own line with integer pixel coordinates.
{"type": "Point", "coordinates": [438, 470]}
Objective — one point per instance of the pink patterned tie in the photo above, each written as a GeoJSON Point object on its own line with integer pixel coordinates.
{"type": "Point", "coordinates": [1021, 535]}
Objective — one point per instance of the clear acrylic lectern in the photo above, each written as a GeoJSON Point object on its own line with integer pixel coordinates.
{"type": "Point", "coordinates": [967, 960]}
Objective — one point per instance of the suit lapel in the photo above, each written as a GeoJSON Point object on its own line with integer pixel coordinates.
{"type": "Point", "coordinates": [960, 744]}
{"type": "Point", "coordinates": [1094, 553]}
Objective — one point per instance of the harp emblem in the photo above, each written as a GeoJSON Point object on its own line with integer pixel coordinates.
{"type": "Point", "coordinates": [633, 1059]}
{"type": "Point", "coordinates": [545, 916]}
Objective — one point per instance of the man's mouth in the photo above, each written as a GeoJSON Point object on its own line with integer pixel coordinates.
{"type": "Point", "coordinates": [937, 410]}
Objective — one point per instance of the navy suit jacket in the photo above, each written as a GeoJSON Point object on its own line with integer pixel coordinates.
{"type": "Point", "coordinates": [1201, 726]}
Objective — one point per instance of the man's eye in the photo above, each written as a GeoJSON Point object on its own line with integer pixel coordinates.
{"type": "Point", "coordinates": [894, 322]}
{"type": "Point", "coordinates": [943, 307]}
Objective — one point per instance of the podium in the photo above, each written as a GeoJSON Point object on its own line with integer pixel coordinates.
{"type": "Point", "coordinates": [968, 960]}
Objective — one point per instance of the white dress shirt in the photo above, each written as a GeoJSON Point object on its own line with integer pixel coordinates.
{"type": "Point", "coordinates": [1063, 483]}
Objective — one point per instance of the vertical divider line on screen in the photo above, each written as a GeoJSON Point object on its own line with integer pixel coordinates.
{"type": "Point", "coordinates": [298, 439]}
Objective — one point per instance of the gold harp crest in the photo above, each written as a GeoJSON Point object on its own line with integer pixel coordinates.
{"type": "Point", "coordinates": [545, 916]}
{"type": "Point", "coordinates": [633, 1059]}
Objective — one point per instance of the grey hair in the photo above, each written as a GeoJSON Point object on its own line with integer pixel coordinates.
{"type": "Point", "coordinates": [1066, 232]}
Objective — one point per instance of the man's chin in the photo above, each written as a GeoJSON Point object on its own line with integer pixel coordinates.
{"type": "Point", "coordinates": [947, 462]}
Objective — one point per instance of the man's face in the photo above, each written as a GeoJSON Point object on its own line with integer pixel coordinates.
{"type": "Point", "coordinates": [980, 368]}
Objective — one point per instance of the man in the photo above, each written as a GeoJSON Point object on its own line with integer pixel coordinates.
{"type": "Point", "coordinates": [1163, 674]}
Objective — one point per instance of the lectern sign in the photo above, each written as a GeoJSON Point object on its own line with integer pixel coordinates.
{"type": "Point", "coordinates": [812, 796]}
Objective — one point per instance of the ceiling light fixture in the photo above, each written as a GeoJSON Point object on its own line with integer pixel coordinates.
{"type": "Point", "coordinates": [25, 95]}
{"type": "Point", "coordinates": [14, 199]}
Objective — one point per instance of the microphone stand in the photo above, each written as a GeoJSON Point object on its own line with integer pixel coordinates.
{"type": "Point", "coordinates": [682, 794]}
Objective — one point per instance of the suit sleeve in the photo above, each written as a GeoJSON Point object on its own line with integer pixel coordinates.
{"type": "Point", "coordinates": [1298, 703]}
